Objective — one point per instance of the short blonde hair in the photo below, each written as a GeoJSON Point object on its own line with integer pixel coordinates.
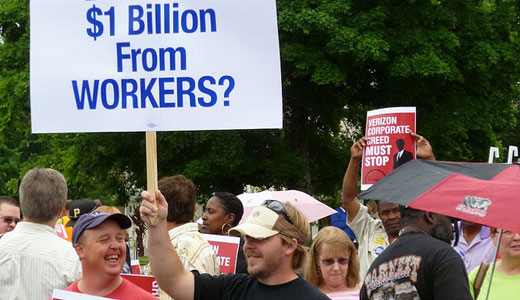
{"type": "Point", "coordinates": [302, 224]}
{"type": "Point", "coordinates": [108, 209]}
{"type": "Point", "coordinates": [339, 241]}
{"type": "Point", "coordinates": [112, 210]}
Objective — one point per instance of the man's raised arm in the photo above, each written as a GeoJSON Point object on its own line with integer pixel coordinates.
{"type": "Point", "coordinates": [350, 182]}
{"type": "Point", "coordinates": [166, 265]}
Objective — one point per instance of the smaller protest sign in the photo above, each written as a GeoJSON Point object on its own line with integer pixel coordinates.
{"type": "Point", "coordinates": [60, 231]}
{"type": "Point", "coordinates": [66, 295]}
{"type": "Point", "coordinates": [147, 283]}
{"type": "Point", "coordinates": [389, 142]}
{"type": "Point", "coordinates": [136, 267]}
{"type": "Point", "coordinates": [226, 249]}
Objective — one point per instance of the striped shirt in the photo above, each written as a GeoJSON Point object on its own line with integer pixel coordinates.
{"type": "Point", "coordinates": [33, 261]}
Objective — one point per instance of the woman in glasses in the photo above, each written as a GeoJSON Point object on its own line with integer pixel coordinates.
{"type": "Point", "coordinates": [506, 276]}
{"type": "Point", "coordinates": [222, 212]}
{"type": "Point", "coordinates": [333, 265]}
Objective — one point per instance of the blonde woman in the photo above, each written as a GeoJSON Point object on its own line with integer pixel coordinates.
{"type": "Point", "coordinates": [333, 265]}
{"type": "Point", "coordinates": [506, 278]}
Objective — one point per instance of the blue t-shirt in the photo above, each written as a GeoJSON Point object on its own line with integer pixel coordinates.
{"type": "Point", "coordinates": [339, 220]}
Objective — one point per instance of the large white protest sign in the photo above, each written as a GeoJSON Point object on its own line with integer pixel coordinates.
{"type": "Point", "coordinates": [66, 295]}
{"type": "Point", "coordinates": [154, 65]}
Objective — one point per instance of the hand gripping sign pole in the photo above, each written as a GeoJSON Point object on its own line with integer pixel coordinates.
{"type": "Point", "coordinates": [151, 166]}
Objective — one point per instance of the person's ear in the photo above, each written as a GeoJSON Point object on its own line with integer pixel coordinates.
{"type": "Point", "coordinates": [80, 250]}
{"type": "Point", "coordinates": [62, 210]}
{"type": "Point", "coordinates": [430, 218]}
{"type": "Point", "coordinates": [195, 208]}
{"type": "Point", "coordinates": [290, 247]}
{"type": "Point", "coordinates": [230, 218]}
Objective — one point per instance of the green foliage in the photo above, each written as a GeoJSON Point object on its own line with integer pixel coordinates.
{"type": "Point", "coordinates": [456, 61]}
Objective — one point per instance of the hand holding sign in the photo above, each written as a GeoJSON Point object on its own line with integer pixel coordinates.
{"type": "Point", "coordinates": [148, 210]}
{"type": "Point", "coordinates": [424, 149]}
{"type": "Point", "coordinates": [356, 151]}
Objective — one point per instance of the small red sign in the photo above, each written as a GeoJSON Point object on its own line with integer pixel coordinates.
{"type": "Point", "coordinates": [226, 249]}
{"type": "Point", "coordinates": [389, 142]}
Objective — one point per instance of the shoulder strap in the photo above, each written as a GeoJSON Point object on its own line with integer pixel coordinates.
{"type": "Point", "coordinates": [481, 273]}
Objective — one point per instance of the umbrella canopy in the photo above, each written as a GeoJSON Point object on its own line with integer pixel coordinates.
{"type": "Point", "coordinates": [482, 193]}
{"type": "Point", "coordinates": [312, 208]}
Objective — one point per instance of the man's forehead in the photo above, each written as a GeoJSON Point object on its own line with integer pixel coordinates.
{"type": "Point", "coordinates": [8, 207]}
{"type": "Point", "coordinates": [107, 226]}
{"type": "Point", "coordinates": [383, 205]}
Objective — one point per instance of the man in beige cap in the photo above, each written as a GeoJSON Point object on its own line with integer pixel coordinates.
{"type": "Point", "coordinates": [274, 235]}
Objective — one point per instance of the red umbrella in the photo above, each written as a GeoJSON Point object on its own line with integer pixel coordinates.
{"type": "Point", "coordinates": [483, 193]}
{"type": "Point", "coordinates": [478, 192]}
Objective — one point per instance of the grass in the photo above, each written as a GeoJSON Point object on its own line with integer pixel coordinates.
{"type": "Point", "coordinates": [143, 260]}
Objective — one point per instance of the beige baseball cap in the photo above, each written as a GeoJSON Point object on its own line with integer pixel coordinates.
{"type": "Point", "coordinates": [263, 223]}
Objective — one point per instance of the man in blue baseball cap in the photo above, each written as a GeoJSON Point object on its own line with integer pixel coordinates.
{"type": "Point", "coordinates": [99, 241]}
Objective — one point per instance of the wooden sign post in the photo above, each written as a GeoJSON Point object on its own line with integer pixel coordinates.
{"type": "Point", "coordinates": [151, 165]}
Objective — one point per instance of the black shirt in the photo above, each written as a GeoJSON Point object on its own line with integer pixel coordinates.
{"type": "Point", "coordinates": [417, 266]}
{"type": "Point", "coordinates": [244, 286]}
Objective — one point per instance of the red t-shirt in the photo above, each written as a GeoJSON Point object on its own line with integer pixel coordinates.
{"type": "Point", "coordinates": [126, 290]}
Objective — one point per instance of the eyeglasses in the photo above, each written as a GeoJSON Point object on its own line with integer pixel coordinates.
{"type": "Point", "coordinates": [508, 233]}
{"type": "Point", "coordinates": [278, 207]}
{"type": "Point", "coordinates": [505, 233]}
{"type": "Point", "coordinates": [9, 220]}
{"type": "Point", "coordinates": [331, 261]}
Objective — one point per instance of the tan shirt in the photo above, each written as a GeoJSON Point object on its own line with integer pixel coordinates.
{"type": "Point", "coordinates": [371, 236]}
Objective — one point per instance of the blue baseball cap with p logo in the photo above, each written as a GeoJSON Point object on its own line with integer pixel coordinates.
{"type": "Point", "coordinates": [89, 221]}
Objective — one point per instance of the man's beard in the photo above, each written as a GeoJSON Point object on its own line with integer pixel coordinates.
{"type": "Point", "coordinates": [270, 264]}
{"type": "Point", "coordinates": [443, 233]}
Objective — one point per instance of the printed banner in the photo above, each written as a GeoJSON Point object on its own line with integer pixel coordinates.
{"type": "Point", "coordinates": [154, 65]}
{"type": "Point", "coordinates": [147, 283]}
{"type": "Point", "coordinates": [226, 249]}
{"type": "Point", "coordinates": [389, 142]}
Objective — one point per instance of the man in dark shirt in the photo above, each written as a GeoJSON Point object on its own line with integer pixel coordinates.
{"type": "Point", "coordinates": [402, 156]}
{"type": "Point", "coordinates": [420, 264]}
{"type": "Point", "coordinates": [274, 235]}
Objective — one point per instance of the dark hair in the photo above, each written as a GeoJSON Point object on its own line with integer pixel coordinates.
{"type": "Point", "coordinates": [181, 195]}
{"type": "Point", "coordinates": [68, 203]}
{"type": "Point", "coordinates": [8, 200]}
{"type": "Point", "coordinates": [232, 205]}
{"type": "Point", "coordinates": [409, 214]}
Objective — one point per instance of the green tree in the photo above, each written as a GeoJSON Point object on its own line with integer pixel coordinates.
{"type": "Point", "coordinates": [456, 61]}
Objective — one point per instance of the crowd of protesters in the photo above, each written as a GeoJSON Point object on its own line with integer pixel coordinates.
{"type": "Point", "coordinates": [384, 252]}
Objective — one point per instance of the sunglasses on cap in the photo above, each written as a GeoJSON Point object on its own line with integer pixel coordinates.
{"type": "Point", "coordinates": [9, 220]}
{"type": "Point", "coordinates": [278, 208]}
